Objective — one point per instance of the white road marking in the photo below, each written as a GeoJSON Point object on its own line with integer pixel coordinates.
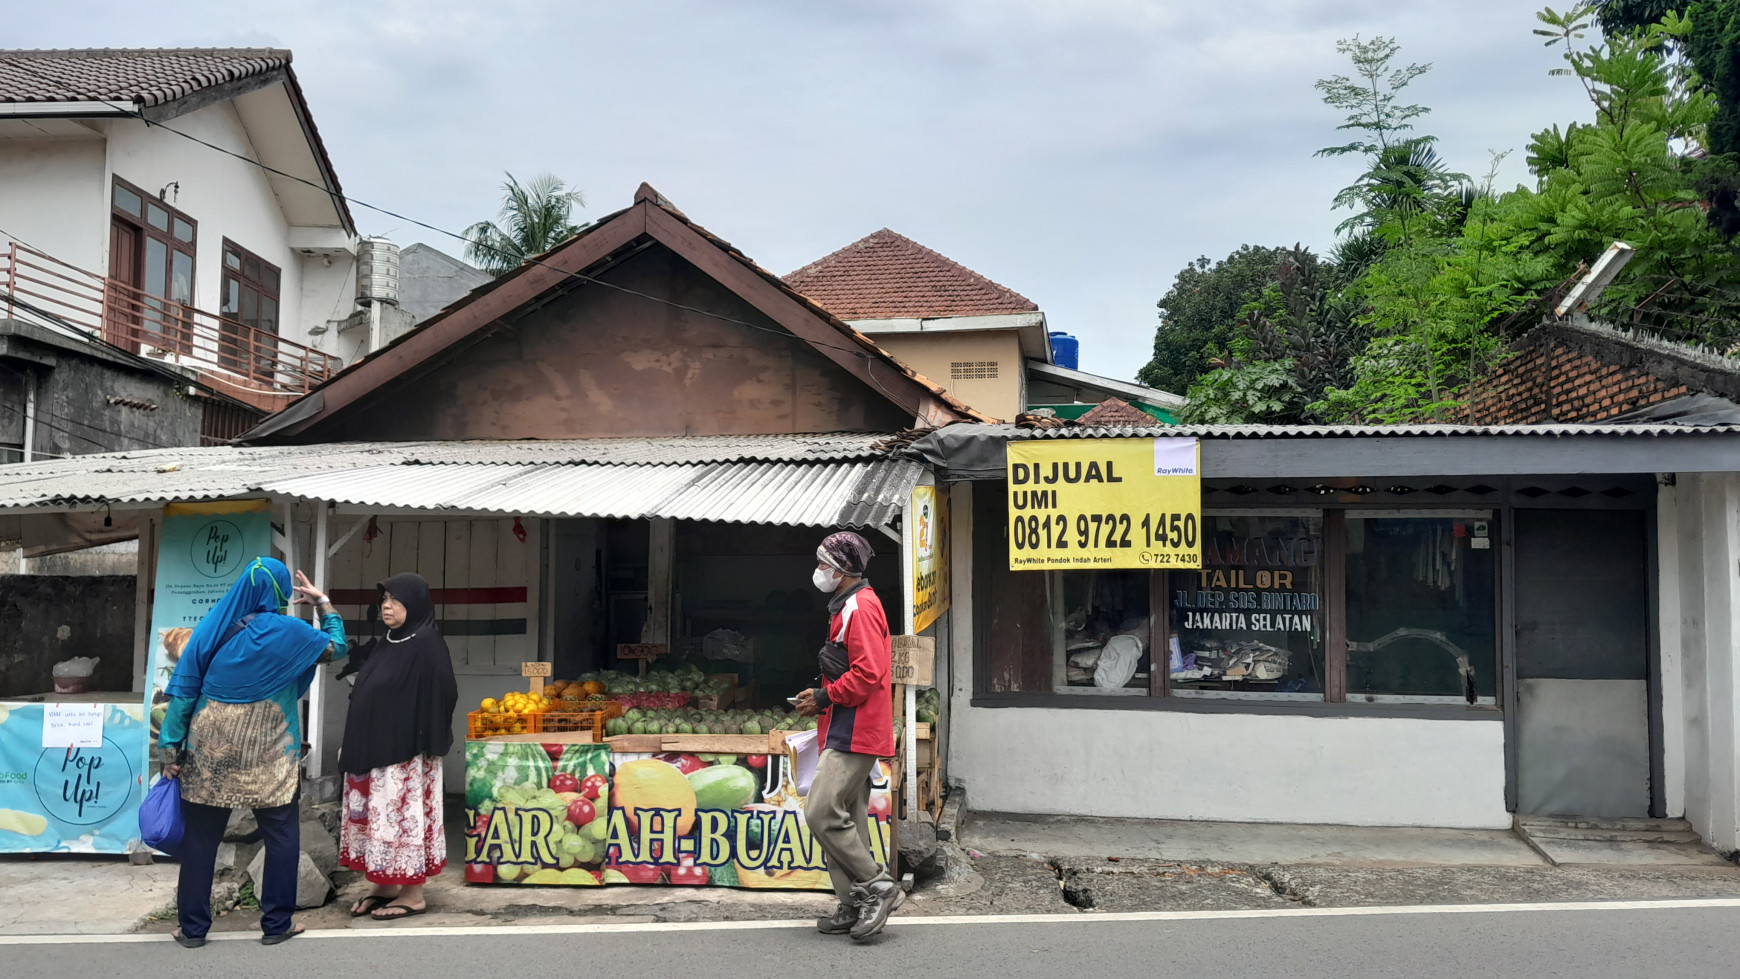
{"type": "Point", "coordinates": [902, 922]}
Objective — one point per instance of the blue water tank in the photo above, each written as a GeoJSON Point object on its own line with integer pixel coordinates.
{"type": "Point", "coordinates": [1065, 350]}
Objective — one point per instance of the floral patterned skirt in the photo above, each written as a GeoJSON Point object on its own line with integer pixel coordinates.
{"type": "Point", "coordinates": [392, 823]}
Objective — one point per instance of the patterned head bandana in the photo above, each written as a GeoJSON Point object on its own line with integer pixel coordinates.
{"type": "Point", "coordinates": [846, 553]}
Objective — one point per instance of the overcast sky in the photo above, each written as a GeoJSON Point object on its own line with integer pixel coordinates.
{"type": "Point", "coordinates": [1077, 151]}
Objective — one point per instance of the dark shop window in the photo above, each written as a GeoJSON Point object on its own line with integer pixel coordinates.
{"type": "Point", "coordinates": [1421, 608]}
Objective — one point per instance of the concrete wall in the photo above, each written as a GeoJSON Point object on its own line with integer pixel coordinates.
{"type": "Point", "coordinates": [57, 198]}
{"type": "Point", "coordinates": [51, 195]}
{"type": "Point", "coordinates": [1699, 539]}
{"type": "Point", "coordinates": [1238, 767]}
{"type": "Point", "coordinates": [430, 280]}
{"type": "Point", "coordinates": [45, 619]}
{"type": "Point", "coordinates": [230, 198]}
{"type": "Point", "coordinates": [932, 355]}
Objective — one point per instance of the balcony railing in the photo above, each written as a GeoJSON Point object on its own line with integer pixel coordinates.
{"type": "Point", "coordinates": [243, 358]}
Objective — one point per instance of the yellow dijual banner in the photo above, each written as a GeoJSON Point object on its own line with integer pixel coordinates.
{"type": "Point", "coordinates": [1104, 503]}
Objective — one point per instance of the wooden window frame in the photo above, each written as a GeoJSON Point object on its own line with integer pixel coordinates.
{"type": "Point", "coordinates": [177, 332]}
{"type": "Point", "coordinates": [239, 276]}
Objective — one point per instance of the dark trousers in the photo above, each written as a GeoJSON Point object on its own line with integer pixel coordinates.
{"type": "Point", "coordinates": [281, 832]}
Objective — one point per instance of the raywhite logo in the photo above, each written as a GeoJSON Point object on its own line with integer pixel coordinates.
{"type": "Point", "coordinates": [1175, 457]}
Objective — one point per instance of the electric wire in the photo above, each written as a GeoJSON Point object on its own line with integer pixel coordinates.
{"type": "Point", "coordinates": [133, 113]}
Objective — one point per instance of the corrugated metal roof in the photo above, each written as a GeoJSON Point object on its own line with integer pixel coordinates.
{"type": "Point", "coordinates": [1333, 431]}
{"type": "Point", "coordinates": [824, 481]}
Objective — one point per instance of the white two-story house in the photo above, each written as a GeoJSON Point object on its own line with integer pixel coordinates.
{"type": "Point", "coordinates": [179, 204]}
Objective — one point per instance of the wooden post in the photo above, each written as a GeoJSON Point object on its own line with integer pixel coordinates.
{"type": "Point", "coordinates": [660, 559]}
{"type": "Point", "coordinates": [317, 691]}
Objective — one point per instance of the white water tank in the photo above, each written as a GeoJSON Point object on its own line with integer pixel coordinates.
{"type": "Point", "coordinates": [377, 272]}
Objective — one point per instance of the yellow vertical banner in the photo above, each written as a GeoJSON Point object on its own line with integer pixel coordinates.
{"type": "Point", "coordinates": [929, 586]}
{"type": "Point", "coordinates": [1104, 503]}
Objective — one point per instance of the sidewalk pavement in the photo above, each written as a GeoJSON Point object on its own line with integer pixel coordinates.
{"type": "Point", "coordinates": [999, 864]}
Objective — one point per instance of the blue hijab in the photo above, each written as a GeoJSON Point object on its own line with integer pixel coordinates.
{"type": "Point", "coordinates": [270, 653]}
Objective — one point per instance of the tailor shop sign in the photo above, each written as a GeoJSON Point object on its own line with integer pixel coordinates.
{"type": "Point", "coordinates": [1104, 503]}
{"type": "Point", "coordinates": [65, 799]}
{"type": "Point", "coordinates": [581, 816]}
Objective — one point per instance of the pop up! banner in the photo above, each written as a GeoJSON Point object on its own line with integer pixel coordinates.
{"type": "Point", "coordinates": [580, 815]}
{"type": "Point", "coordinates": [70, 784]}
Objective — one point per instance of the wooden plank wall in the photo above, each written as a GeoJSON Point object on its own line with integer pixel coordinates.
{"type": "Point", "coordinates": [484, 580]}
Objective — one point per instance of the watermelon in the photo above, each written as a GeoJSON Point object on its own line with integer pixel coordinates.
{"type": "Point", "coordinates": [581, 760]}
{"type": "Point", "coordinates": [492, 763]}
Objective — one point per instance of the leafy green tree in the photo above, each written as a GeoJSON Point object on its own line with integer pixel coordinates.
{"type": "Point", "coordinates": [1404, 179]}
{"type": "Point", "coordinates": [1290, 347]}
{"type": "Point", "coordinates": [534, 218]}
{"type": "Point", "coordinates": [1199, 313]}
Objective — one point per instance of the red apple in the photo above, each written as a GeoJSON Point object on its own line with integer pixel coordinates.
{"type": "Point", "coordinates": [581, 812]}
{"type": "Point", "coordinates": [592, 786]}
{"type": "Point", "coordinates": [563, 782]}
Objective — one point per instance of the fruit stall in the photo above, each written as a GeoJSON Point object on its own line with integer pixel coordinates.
{"type": "Point", "coordinates": [673, 793]}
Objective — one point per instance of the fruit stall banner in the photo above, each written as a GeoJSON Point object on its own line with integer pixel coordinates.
{"type": "Point", "coordinates": [70, 800]}
{"type": "Point", "coordinates": [201, 550]}
{"type": "Point", "coordinates": [929, 560]}
{"type": "Point", "coordinates": [579, 815]}
{"type": "Point", "coordinates": [1104, 503]}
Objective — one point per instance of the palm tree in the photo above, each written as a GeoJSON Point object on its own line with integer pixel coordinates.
{"type": "Point", "coordinates": [533, 220]}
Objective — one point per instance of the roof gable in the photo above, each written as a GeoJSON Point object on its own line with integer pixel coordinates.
{"type": "Point", "coordinates": [161, 84]}
{"type": "Point", "coordinates": [889, 276]}
{"type": "Point", "coordinates": [580, 264]}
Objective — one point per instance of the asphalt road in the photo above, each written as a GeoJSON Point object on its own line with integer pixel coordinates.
{"type": "Point", "coordinates": [1680, 942]}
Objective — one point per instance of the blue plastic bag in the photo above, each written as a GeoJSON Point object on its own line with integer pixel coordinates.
{"type": "Point", "coordinates": [160, 822]}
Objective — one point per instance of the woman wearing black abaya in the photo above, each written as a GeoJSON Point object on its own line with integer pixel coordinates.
{"type": "Point", "coordinates": [399, 726]}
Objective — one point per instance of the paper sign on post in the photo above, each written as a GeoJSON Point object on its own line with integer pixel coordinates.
{"type": "Point", "coordinates": [72, 726]}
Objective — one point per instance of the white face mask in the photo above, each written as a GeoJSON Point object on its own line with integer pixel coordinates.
{"type": "Point", "coordinates": [825, 579]}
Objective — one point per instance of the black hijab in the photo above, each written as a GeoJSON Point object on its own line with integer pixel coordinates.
{"type": "Point", "coordinates": [402, 704]}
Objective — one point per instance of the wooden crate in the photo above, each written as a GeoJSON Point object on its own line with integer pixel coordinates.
{"type": "Point", "coordinates": [559, 737]}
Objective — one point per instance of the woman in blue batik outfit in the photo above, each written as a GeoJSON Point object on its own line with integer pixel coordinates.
{"type": "Point", "coordinates": [233, 735]}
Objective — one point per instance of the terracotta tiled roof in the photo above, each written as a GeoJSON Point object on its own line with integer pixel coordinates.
{"type": "Point", "coordinates": [1117, 413]}
{"type": "Point", "coordinates": [890, 276]}
{"type": "Point", "coordinates": [143, 76]}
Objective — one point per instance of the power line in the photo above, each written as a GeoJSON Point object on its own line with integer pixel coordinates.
{"type": "Point", "coordinates": [869, 359]}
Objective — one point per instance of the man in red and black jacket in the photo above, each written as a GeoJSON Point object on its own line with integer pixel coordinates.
{"type": "Point", "coordinates": [856, 729]}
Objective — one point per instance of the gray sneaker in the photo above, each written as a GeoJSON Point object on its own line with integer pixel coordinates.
{"type": "Point", "coordinates": [876, 901]}
{"type": "Point", "coordinates": [844, 917]}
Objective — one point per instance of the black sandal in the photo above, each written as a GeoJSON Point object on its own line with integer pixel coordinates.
{"type": "Point", "coordinates": [184, 941]}
{"type": "Point", "coordinates": [370, 904]}
{"type": "Point", "coordinates": [410, 912]}
{"type": "Point", "coordinates": [282, 937]}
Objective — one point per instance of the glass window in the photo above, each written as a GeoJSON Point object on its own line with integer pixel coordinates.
{"type": "Point", "coordinates": [268, 314]}
{"type": "Point", "coordinates": [1421, 609]}
{"type": "Point", "coordinates": [126, 201]}
{"type": "Point", "coordinates": [232, 297]}
{"type": "Point", "coordinates": [183, 229]}
{"type": "Point", "coordinates": [232, 258]}
{"type": "Point", "coordinates": [181, 277]}
{"type": "Point", "coordinates": [1100, 631]}
{"type": "Point", "coordinates": [250, 314]}
{"type": "Point", "coordinates": [157, 217]}
{"type": "Point", "coordinates": [1250, 622]}
{"type": "Point", "coordinates": [251, 268]}
{"type": "Point", "coordinates": [269, 278]}
{"type": "Point", "coordinates": [156, 267]}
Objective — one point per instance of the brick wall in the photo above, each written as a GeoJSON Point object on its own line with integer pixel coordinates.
{"type": "Point", "coordinates": [1561, 373]}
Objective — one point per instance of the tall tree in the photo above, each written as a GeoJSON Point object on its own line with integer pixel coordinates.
{"type": "Point", "coordinates": [1404, 178]}
{"type": "Point", "coordinates": [534, 218]}
{"type": "Point", "coordinates": [1199, 313]}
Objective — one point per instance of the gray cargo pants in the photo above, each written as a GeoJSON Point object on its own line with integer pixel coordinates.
{"type": "Point", "coordinates": [837, 811]}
